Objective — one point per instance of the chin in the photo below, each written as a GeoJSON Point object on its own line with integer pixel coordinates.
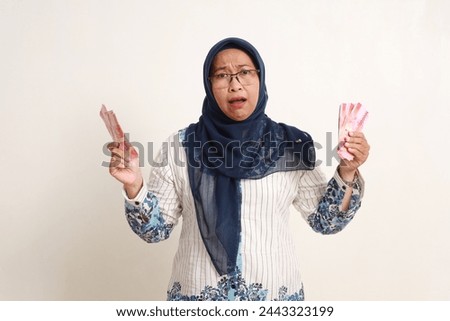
{"type": "Point", "coordinates": [238, 117]}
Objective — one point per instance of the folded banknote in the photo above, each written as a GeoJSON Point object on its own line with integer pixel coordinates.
{"type": "Point", "coordinates": [351, 119]}
{"type": "Point", "coordinates": [115, 130]}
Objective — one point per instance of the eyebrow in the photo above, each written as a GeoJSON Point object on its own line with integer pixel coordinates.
{"type": "Point", "coordinates": [225, 67]}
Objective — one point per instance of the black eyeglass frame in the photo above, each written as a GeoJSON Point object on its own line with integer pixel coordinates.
{"type": "Point", "coordinates": [236, 75]}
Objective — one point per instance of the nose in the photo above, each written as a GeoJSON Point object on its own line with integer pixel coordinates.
{"type": "Point", "coordinates": [235, 84]}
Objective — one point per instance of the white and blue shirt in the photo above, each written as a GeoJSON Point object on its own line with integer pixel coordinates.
{"type": "Point", "coordinates": [267, 266]}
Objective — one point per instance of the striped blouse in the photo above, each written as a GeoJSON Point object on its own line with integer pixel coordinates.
{"type": "Point", "coordinates": [267, 265]}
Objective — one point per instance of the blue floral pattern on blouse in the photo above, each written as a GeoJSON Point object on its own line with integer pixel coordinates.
{"type": "Point", "coordinates": [328, 219]}
{"type": "Point", "coordinates": [233, 287]}
{"type": "Point", "coordinates": [145, 220]}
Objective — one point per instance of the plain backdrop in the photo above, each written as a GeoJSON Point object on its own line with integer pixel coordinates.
{"type": "Point", "coordinates": [63, 233]}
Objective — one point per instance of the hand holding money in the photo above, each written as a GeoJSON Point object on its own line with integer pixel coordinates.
{"type": "Point", "coordinates": [353, 148]}
{"type": "Point", "coordinates": [124, 165]}
{"type": "Point", "coordinates": [351, 119]}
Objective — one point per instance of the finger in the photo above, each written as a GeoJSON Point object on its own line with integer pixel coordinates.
{"type": "Point", "coordinates": [116, 162]}
{"type": "Point", "coordinates": [123, 145]}
{"type": "Point", "coordinates": [118, 152]}
{"type": "Point", "coordinates": [362, 145]}
{"type": "Point", "coordinates": [112, 145]}
{"type": "Point", "coordinates": [117, 144]}
{"type": "Point", "coordinates": [364, 149]}
{"type": "Point", "coordinates": [359, 155]}
{"type": "Point", "coordinates": [116, 157]}
{"type": "Point", "coordinates": [121, 156]}
{"type": "Point", "coordinates": [355, 134]}
{"type": "Point", "coordinates": [357, 140]}
{"type": "Point", "coordinates": [125, 154]}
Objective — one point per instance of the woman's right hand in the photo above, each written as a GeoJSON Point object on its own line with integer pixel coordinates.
{"type": "Point", "coordinates": [124, 167]}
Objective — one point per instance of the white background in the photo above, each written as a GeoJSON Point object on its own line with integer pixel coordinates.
{"type": "Point", "coordinates": [63, 234]}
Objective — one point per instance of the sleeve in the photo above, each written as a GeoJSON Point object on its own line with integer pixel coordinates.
{"type": "Point", "coordinates": [154, 212]}
{"type": "Point", "coordinates": [320, 203]}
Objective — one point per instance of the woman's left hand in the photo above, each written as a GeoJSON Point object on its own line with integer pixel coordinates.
{"type": "Point", "coordinates": [356, 145]}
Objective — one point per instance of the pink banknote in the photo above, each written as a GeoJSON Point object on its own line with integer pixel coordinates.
{"type": "Point", "coordinates": [351, 119]}
{"type": "Point", "coordinates": [115, 130]}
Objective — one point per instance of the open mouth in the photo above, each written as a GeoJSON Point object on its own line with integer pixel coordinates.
{"type": "Point", "coordinates": [237, 101]}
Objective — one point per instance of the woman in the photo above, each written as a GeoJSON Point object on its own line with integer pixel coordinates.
{"type": "Point", "coordinates": [241, 173]}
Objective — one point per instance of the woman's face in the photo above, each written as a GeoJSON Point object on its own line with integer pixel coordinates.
{"type": "Point", "coordinates": [236, 100]}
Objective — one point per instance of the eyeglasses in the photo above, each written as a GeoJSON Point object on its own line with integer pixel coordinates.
{"type": "Point", "coordinates": [245, 77]}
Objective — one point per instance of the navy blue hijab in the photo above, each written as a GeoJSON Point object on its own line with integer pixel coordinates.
{"type": "Point", "coordinates": [222, 151]}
